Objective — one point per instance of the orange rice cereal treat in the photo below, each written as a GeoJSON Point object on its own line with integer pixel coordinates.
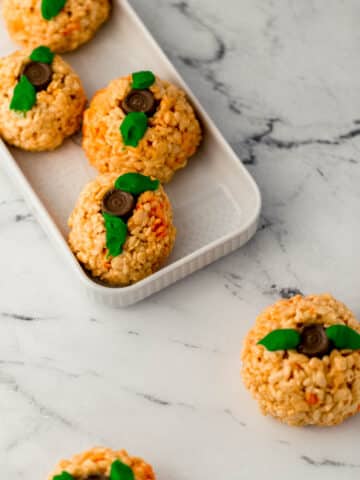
{"type": "Point", "coordinates": [41, 99]}
{"type": "Point", "coordinates": [121, 228]}
{"type": "Point", "coordinates": [301, 361]}
{"type": "Point", "coordinates": [103, 464]}
{"type": "Point", "coordinates": [62, 25]}
{"type": "Point", "coordinates": [143, 124]}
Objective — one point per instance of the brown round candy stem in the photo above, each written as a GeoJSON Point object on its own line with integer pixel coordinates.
{"type": "Point", "coordinates": [118, 203]}
{"type": "Point", "coordinates": [139, 101]}
{"type": "Point", "coordinates": [314, 341]}
{"type": "Point", "coordinates": [38, 74]}
{"type": "Point", "coordinates": [97, 477]}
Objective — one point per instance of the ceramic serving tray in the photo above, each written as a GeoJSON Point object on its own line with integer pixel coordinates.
{"type": "Point", "coordinates": [216, 202]}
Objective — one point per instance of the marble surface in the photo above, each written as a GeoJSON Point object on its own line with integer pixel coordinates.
{"type": "Point", "coordinates": [281, 78]}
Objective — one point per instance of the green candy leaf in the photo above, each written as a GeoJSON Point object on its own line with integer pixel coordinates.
{"type": "Point", "coordinates": [344, 337]}
{"type": "Point", "coordinates": [120, 471]}
{"type": "Point", "coordinates": [51, 8]}
{"type": "Point", "coordinates": [63, 476]}
{"type": "Point", "coordinates": [136, 183]}
{"type": "Point", "coordinates": [282, 339]}
{"type": "Point", "coordinates": [42, 55]}
{"type": "Point", "coordinates": [142, 80]}
{"type": "Point", "coordinates": [24, 96]}
{"type": "Point", "coordinates": [116, 232]}
{"type": "Point", "coordinates": [133, 128]}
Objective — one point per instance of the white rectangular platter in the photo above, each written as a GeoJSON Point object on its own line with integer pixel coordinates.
{"type": "Point", "coordinates": [216, 202]}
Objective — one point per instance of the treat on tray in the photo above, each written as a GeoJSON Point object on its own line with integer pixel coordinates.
{"type": "Point", "coordinates": [62, 25]}
{"type": "Point", "coordinates": [141, 123]}
{"type": "Point", "coordinates": [103, 464]}
{"type": "Point", "coordinates": [121, 229]}
{"type": "Point", "coordinates": [301, 361]}
{"type": "Point", "coordinates": [41, 99]}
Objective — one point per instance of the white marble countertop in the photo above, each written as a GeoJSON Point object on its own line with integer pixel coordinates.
{"type": "Point", "coordinates": [161, 379]}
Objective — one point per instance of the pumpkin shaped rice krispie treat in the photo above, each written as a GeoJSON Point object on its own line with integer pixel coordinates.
{"type": "Point", "coordinates": [103, 464]}
{"type": "Point", "coordinates": [121, 229]}
{"type": "Point", "coordinates": [143, 124]}
{"type": "Point", "coordinates": [301, 361]}
{"type": "Point", "coordinates": [62, 25]}
{"type": "Point", "coordinates": [41, 99]}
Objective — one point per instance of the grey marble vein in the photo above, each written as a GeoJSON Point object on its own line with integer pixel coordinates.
{"type": "Point", "coordinates": [228, 412]}
{"type": "Point", "coordinates": [204, 65]}
{"type": "Point", "coordinates": [24, 437]}
{"type": "Point", "coordinates": [47, 367]}
{"type": "Point", "coordinates": [22, 317]}
{"type": "Point", "coordinates": [268, 138]}
{"type": "Point", "coordinates": [327, 462]}
{"type": "Point", "coordinates": [289, 292]}
{"type": "Point", "coordinates": [153, 399]}
{"type": "Point", "coordinates": [23, 217]}
{"type": "Point", "coordinates": [133, 332]}
{"type": "Point", "coordinates": [149, 397]}
{"type": "Point", "coordinates": [194, 346]}
{"type": "Point", "coordinates": [45, 411]}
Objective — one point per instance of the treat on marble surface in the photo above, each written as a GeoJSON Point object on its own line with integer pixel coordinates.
{"type": "Point", "coordinates": [301, 361]}
{"type": "Point", "coordinates": [103, 464]}
{"type": "Point", "coordinates": [141, 123]}
{"type": "Point", "coordinates": [41, 99]}
{"type": "Point", "coordinates": [62, 25]}
{"type": "Point", "coordinates": [121, 229]}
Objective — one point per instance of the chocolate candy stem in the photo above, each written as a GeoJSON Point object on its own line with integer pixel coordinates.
{"type": "Point", "coordinates": [39, 75]}
{"type": "Point", "coordinates": [118, 203]}
{"type": "Point", "coordinates": [140, 101]}
{"type": "Point", "coordinates": [314, 341]}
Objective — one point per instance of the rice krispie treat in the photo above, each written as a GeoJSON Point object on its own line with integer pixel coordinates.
{"type": "Point", "coordinates": [301, 361]}
{"type": "Point", "coordinates": [41, 100]}
{"type": "Point", "coordinates": [62, 25]}
{"type": "Point", "coordinates": [103, 464]}
{"type": "Point", "coordinates": [121, 228]}
{"type": "Point", "coordinates": [141, 123]}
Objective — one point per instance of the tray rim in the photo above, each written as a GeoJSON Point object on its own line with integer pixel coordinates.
{"type": "Point", "coordinates": [54, 234]}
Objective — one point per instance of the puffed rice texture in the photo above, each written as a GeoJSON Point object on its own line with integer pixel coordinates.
{"type": "Point", "coordinates": [98, 461]}
{"type": "Point", "coordinates": [75, 25]}
{"type": "Point", "coordinates": [290, 386]}
{"type": "Point", "coordinates": [173, 136]}
{"type": "Point", "coordinates": [151, 234]}
{"type": "Point", "coordinates": [57, 113]}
